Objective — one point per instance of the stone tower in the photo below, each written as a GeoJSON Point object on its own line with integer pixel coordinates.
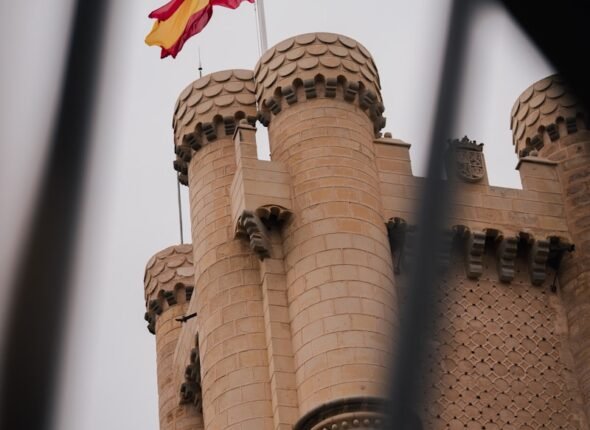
{"type": "Point", "coordinates": [281, 314]}
{"type": "Point", "coordinates": [547, 120]}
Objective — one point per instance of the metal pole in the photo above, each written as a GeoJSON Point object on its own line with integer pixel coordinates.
{"type": "Point", "coordinates": [41, 290]}
{"type": "Point", "coordinates": [179, 209]}
{"type": "Point", "coordinates": [418, 312]}
{"type": "Point", "coordinates": [200, 64]}
{"type": "Point", "coordinates": [261, 25]}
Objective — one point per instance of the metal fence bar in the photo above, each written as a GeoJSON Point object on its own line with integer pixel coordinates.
{"type": "Point", "coordinates": [41, 291]}
{"type": "Point", "coordinates": [418, 312]}
{"type": "Point", "coordinates": [560, 31]}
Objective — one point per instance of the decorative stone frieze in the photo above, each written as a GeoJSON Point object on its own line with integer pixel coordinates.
{"type": "Point", "coordinates": [367, 421]}
{"type": "Point", "coordinates": [542, 253]}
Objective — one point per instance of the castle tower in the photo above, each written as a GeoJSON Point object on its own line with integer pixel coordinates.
{"type": "Point", "coordinates": [549, 123]}
{"type": "Point", "coordinates": [228, 301]}
{"type": "Point", "coordinates": [168, 289]}
{"type": "Point", "coordinates": [319, 95]}
{"type": "Point", "coordinates": [290, 320]}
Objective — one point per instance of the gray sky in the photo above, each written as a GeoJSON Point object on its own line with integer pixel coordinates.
{"type": "Point", "coordinates": [130, 208]}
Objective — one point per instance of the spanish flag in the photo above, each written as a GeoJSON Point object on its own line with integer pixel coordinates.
{"type": "Point", "coordinates": [178, 20]}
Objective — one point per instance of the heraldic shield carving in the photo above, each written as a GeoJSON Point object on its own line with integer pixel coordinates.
{"type": "Point", "coordinates": [467, 159]}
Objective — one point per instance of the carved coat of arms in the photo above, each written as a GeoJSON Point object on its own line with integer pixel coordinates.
{"type": "Point", "coordinates": [467, 159]}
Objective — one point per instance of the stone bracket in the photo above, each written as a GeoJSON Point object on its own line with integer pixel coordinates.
{"type": "Point", "coordinates": [444, 255]}
{"type": "Point", "coordinates": [507, 258]}
{"type": "Point", "coordinates": [251, 226]}
{"type": "Point", "coordinates": [190, 389]}
{"type": "Point", "coordinates": [542, 253]}
{"type": "Point", "coordinates": [538, 256]}
{"type": "Point", "coordinates": [165, 300]}
{"type": "Point", "coordinates": [273, 215]}
{"type": "Point", "coordinates": [475, 247]}
{"type": "Point", "coordinates": [401, 241]}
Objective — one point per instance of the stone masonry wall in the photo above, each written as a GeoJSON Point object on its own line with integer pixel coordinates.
{"type": "Point", "coordinates": [500, 356]}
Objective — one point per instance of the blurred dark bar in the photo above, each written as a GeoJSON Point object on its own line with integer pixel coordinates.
{"type": "Point", "coordinates": [557, 29]}
{"type": "Point", "coordinates": [418, 310]}
{"type": "Point", "coordinates": [35, 325]}
{"type": "Point", "coordinates": [560, 31]}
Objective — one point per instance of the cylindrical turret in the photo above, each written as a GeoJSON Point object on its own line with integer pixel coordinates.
{"type": "Point", "coordinates": [232, 344]}
{"type": "Point", "coordinates": [319, 95]}
{"type": "Point", "coordinates": [168, 289]}
{"type": "Point", "coordinates": [547, 119]}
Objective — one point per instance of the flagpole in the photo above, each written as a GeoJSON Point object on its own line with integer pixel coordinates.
{"type": "Point", "coordinates": [200, 64]}
{"type": "Point", "coordinates": [261, 25]}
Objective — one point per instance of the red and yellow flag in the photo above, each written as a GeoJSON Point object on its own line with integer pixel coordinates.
{"type": "Point", "coordinates": [178, 20]}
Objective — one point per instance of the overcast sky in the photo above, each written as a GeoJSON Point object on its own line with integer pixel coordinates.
{"type": "Point", "coordinates": [130, 207]}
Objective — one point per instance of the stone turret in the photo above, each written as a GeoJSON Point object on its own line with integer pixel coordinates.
{"type": "Point", "coordinates": [169, 285]}
{"type": "Point", "coordinates": [551, 126]}
{"type": "Point", "coordinates": [230, 322]}
{"type": "Point", "coordinates": [319, 95]}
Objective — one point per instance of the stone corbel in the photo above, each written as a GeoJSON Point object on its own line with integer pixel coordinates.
{"type": "Point", "coordinates": [190, 389]}
{"type": "Point", "coordinates": [251, 227]}
{"type": "Point", "coordinates": [507, 258]}
{"type": "Point", "coordinates": [444, 255]}
{"type": "Point", "coordinates": [475, 247]}
{"type": "Point", "coordinates": [273, 215]}
{"type": "Point", "coordinates": [165, 300]}
{"type": "Point", "coordinates": [538, 255]}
